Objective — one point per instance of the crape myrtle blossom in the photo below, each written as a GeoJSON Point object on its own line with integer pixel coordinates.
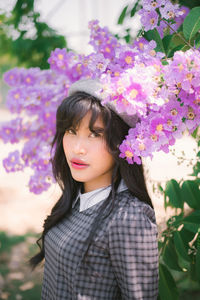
{"type": "Point", "coordinates": [154, 12]}
{"type": "Point", "coordinates": [165, 98]}
{"type": "Point", "coordinates": [149, 19]}
{"type": "Point", "coordinates": [13, 162]}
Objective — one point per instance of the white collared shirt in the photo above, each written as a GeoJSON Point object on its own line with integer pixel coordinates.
{"type": "Point", "coordinates": [89, 199]}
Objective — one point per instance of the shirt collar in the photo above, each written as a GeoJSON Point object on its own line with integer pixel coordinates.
{"type": "Point", "coordinates": [89, 199]}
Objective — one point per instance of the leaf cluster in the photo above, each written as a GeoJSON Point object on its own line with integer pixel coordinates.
{"type": "Point", "coordinates": [25, 38]}
{"type": "Point", "coordinates": [180, 243]}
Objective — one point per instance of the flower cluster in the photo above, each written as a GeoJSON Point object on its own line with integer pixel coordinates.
{"type": "Point", "coordinates": [176, 108]}
{"type": "Point", "coordinates": [164, 97]}
{"type": "Point", "coordinates": [162, 15]}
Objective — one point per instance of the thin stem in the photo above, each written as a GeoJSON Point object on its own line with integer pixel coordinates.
{"type": "Point", "coordinates": [178, 34]}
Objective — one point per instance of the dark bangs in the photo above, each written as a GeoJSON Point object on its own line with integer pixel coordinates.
{"type": "Point", "coordinates": [75, 107]}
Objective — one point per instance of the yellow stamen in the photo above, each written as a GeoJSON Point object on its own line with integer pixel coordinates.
{"type": "Point", "coordinates": [152, 21]}
{"type": "Point", "coordinates": [191, 115]}
{"type": "Point", "coordinates": [169, 122]}
{"type": "Point", "coordinates": [125, 102]}
{"type": "Point", "coordinates": [180, 67]}
{"type": "Point", "coordinates": [157, 67]}
{"type": "Point", "coordinates": [171, 14]}
{"type": "Point", "coordinates": [154, 137]}
{"type": "Point", "coordinates": [16, 96]}
{"type": "Point", "coordinates": [116, 74]}
{"type": "Point", "coordinates": [174, 112]}
{"type": "Point", "coordinates": [129, 154]}
{"type": "Point", "coordinates": [133, 93]}
{"type": "Point", "coordinates": [99, 66]}
{"type": "Point", "coordinates": [152, 52]}
{"type": "Point", "coordinates": [141, 46]}
{"type": "Point", "coordinates": [154, 4]}
{"type": "Point", "coordinates": [60, 56]}
{"type": "Point", "coordinates": [120, 90]}
{"type": "Point", "coordinates": [159, 127]}
{"type": "Point", "coordinates": [12, 159]}
{"type": "Point", "coordinates": [128, 59]}
{"type": "Point", "coordinates": [197, 101]}
{"type": "Point", "coordinates": [189, 76]}
{"type": "Point", "coordinates": [107, 49]}
{"type": "Point", "coordinates": [142, 146]}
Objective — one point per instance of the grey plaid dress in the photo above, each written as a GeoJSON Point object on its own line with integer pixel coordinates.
{"type": "Point", "coordinates": [122, 261]}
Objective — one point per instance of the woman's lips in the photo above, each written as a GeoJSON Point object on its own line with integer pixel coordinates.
{"type": "Point", "coordinates": [78, 164]}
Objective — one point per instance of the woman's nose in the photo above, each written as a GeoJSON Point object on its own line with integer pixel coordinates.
{"type": "Point", "coordinates": [80, 147]}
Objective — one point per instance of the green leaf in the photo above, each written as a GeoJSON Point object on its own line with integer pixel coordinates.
{"type": "Point", "coordinates": [197, 264]}
{"type": "Point", "coordinates": [178, 39]}
{"type": "Point", "coordinates": [178, 48]}
{"type": "Point", "coordinates": [175, 221]}
{"type": "Point", "coordinates": [191, 193]}
{"type": "Point", "coordinates": [167, 43]}
{"type": "Point", "coordinates": [191, 24]}
{"type": "Point", "coordinates": [196, 169]}
{"type": "Point", "coordinates": [173, 192]}
{"type": "Point", "coordinates": [154, 35]}
{"type": "Point", "coordinates": [134, 9]}
{"type": "Point", "coordinates": [197, 42]}
{"type": "Point", "coordinates": [123, 15]}
{"type": "Point", "coordinates": [192, 221]}
{"type": "Point", "coordinates": [167, 285]}
{"type": "Point", "coordinates": [170, 256]}
{"type": "Point", "coordinates": [181, 250]}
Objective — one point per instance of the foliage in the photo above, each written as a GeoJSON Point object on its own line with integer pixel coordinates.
{"type": "Point", "coordinates": [7, 242]}
{"type": "Point", "coordinates": [25, 38]}
{"type": "Point", "coordinates": [180, 242]}
{"type": "Point", "coordinates": [17, 281]}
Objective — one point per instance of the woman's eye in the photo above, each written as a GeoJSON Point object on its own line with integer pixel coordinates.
{"type": "Point", "coordinates": [95, 134]}
{"type": "Point", "coordinates": [70, 131]}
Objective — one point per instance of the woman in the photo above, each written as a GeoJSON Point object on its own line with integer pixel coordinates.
{"type": "Point", "coordinates": [100, 241]}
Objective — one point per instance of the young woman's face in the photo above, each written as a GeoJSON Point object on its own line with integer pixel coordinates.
{"type": "Point", "coordinates": [87, 154]}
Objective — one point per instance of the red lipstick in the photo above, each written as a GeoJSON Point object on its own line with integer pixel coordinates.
{"type": "Point", "coordinates": [78, 164]}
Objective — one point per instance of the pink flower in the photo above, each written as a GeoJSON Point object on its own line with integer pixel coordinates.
{"type": "Point", "coordinates": [128, 153]}
{"type": "Point", "coordinates": [127, 59]}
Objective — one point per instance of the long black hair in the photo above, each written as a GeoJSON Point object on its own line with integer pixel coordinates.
{"type": "Point", "coordinates": [69, 114]}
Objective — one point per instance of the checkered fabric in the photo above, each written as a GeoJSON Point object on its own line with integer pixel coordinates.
{"type": "Point", "coordinates": [122, 261]}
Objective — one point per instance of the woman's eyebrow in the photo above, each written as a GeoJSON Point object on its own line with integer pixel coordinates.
{"type": "Point", "coordinates": [99, 129]}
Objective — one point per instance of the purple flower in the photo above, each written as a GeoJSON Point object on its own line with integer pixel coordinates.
{"type": "Point", "coordinates": [58, 60]}
{"type": "Point", "coordinates": [149, 19]}
{"type": "Point", "coordinates": [13, 77]}
{"type": "Point", "coordinates": [151, 5]}
{"type": "Point", "coordinates": [40, 182]}
{"type": "Point", "coordinates": [128, 153]}
{"type": "Point", "coordinates": [13, 162]}
{"type": "Point", "coordinates": [97, 63]}
{"type": "Point", "coordinates": [169, 11]}
{"type": "Point", "coordinates": [127, 58]}
{"type": "Point", "coordinates": [11, 131]}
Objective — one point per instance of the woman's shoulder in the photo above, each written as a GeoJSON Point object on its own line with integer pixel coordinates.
{"type": "Point", "coordinates": [130, 207]}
